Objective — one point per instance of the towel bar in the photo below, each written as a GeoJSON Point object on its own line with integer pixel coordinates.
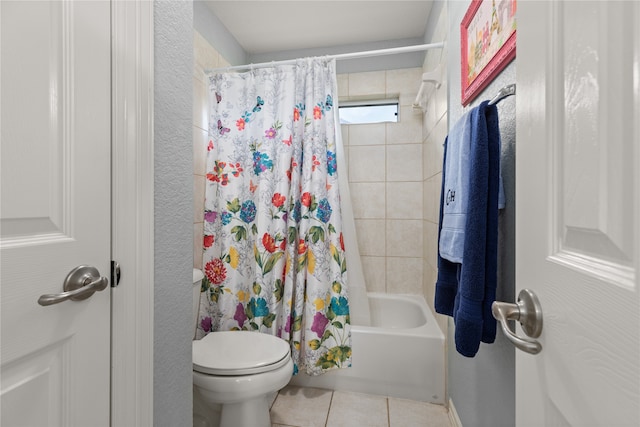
{"type": "Point", "coordinates": [503, 93]}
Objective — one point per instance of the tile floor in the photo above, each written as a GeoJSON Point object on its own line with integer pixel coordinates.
{"type": "Point", "coordinates": [314, 407]}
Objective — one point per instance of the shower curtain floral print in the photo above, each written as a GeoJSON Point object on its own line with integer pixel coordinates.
{"type": "Point", "coordinates": [274, 257]}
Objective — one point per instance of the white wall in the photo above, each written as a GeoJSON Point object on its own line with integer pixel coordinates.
{"type": "Point", "coordinates": [482, 388]}
{"type": "Point", "coordinates": [173, 204]}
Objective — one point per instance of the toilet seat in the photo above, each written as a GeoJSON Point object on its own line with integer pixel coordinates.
{"type": "Point", "coordinates": [232, 353]}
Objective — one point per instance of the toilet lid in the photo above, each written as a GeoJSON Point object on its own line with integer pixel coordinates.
{"type": "Point", "coordinates": [239, 353]}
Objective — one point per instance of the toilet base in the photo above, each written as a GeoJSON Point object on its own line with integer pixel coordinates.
{"type": "Point", "coordinates": [248, 413]}
{"type": "Point", "coordinates": [252, 412]}
{"type": "Point", "coordinates": [205, 414]}
{"type": "Point", "coordinates": [237, 401]}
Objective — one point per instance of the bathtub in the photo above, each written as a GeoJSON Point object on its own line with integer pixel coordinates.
{"type": "Point", "coordinates": [400, 355]}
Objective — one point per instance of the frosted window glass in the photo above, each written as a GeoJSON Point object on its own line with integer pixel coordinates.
{"type": "Point", "coordinates": [360, 114]}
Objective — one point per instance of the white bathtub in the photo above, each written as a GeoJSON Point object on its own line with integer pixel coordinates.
{"type": "Point", "coordinates": [400, 355]}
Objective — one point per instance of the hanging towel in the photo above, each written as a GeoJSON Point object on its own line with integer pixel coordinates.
{"type": "Point", "coordinates": [456, 182]}
{"type": "Point", "coordinates": [471, 195]}
{"type": "Point", "coordinates": [454, 190]}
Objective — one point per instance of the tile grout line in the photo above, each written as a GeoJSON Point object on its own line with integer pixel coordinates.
{"type": "Point", "coordinates": [326, 421]}
{"type": "Point", "coordinates": [388, 412]}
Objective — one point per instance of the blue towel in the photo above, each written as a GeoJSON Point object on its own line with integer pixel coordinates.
{"type": "Point", "coordinates": [455, 202]}
{"type": "Point", "coordinates": [466, 289]}
{"type": "Point", "coordinates": [455, 190]}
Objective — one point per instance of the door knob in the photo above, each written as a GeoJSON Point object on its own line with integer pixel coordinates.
{"type": "Point", "coordinates": [528, 312]}
{"type": "Point", "coordinates": [79, 284]}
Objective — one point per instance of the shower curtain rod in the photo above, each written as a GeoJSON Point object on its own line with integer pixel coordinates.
{"type": "Point", "coordinates": [353, 55]}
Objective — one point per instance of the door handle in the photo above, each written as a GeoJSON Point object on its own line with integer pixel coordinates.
{"type": "Point", "coordinates": [528, 312]}
{"type": "Point", "coordinates": [79, 284]}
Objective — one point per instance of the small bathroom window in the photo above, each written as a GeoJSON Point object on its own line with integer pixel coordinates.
{"type": "Point", "coordinates": [362, 112]}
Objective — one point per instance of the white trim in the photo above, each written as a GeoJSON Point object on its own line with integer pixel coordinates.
{"type": "Point", "coordinates": [370, 102]}
{"type": "Point", "coordinates": [132, 213]}
{"type": "Point", "coordinates": [453, 415]}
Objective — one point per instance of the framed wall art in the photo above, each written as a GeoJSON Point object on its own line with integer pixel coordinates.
{"type": "Point", "coordinates": [487, 44]}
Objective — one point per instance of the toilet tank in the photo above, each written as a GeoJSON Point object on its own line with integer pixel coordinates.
{"type": "Point", "coordinates": [197, 283]}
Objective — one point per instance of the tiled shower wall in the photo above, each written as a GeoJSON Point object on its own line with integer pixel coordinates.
{"type": "Point", "coordinates": [434, 131]}
{"type": "Point", "coordinates": [386, 181]}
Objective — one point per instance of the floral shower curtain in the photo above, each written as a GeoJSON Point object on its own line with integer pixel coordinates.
{"type": "Point", "coordinates": [274, 256]}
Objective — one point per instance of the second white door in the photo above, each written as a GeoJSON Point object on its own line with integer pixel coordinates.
{"type": "Point", "coordinates": [578, 210]}
{"type": "Point", "coordinates": [55, 210]}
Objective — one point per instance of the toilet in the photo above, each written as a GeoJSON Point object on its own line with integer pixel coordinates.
{"type": "Point", "coordinates": [235, 374]}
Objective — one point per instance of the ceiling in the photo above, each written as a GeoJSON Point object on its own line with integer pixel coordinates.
{"type": "Point", "coordinates": [274, 26]}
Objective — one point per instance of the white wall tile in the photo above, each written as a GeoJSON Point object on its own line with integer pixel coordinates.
{"type": "Point", "coordinates": [404, 83]}
{"type": "Point", "coordinates": [425, 126]}
{"type": "Point", "coordinates": [432, 59]}
{"type": "Point", "coordinates": [440, 98]}
{"type": "Point", "coordinates": [367, 85]}
{"type": "Point", "coordinates": [430, 113]}
{"type": "Point", "coordinates": [429, 277]}
{"type": "Point", "coordinates": [222, 62]}
{"type": "Point", "coordinates": [438, 134]}
{"type": "Point", "coordinates": [433, 187]}
{"type": "Point", "coordinates": [200, 104]}
{"type": "Point", "coordinates": [371, 188]}
{"type": "Point", "coordinates": [404, 162]}
{"type": "Point", "coordinates": [367, 134]}
{"type": "Point", "coordinates": [435, 129]}
{"type": "Point", "coordinates": [408, 130]}
{"type": "Point", "coordinates": [200, 143]}
{"type": "Point", "coordinates": [198, 198]}
{"type": "Point", "coordinates": [344, 130]}
{"type": "Point", "coordinates": [198, 233]}
{"type": "Point", "coordinates": [374, 269]}
{"type": "Point", "coordinates": [346, 162]}
{"type": "Point", "coordinates": [343, 86]}
{"type": "Point", "coordinates": [434, 148]}
{"type": "Point", "coordinates": [204, 56]}
{"type": "Point", "coordinates": [404, 275]}
{"type": "Point", "coordinates": [371, 236]}
{"type": "Point", "coordinates": [426, 160]}
{"type": "Point", "coordinates": [368, 200]}
{"type": "Point", "coordinates": [366, 163]}
{"type": "Point", "coordinates": [431, 243]}
{"type": "Point", "coordinates": [404, 237]}
{"type": "Point", "coordinates": [404, 200]}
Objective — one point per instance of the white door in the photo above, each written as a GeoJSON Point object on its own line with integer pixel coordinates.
{"type": "Point", "coordinates": [55, 210]}
{"type": "Point", "coordinates": [578, 210]}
